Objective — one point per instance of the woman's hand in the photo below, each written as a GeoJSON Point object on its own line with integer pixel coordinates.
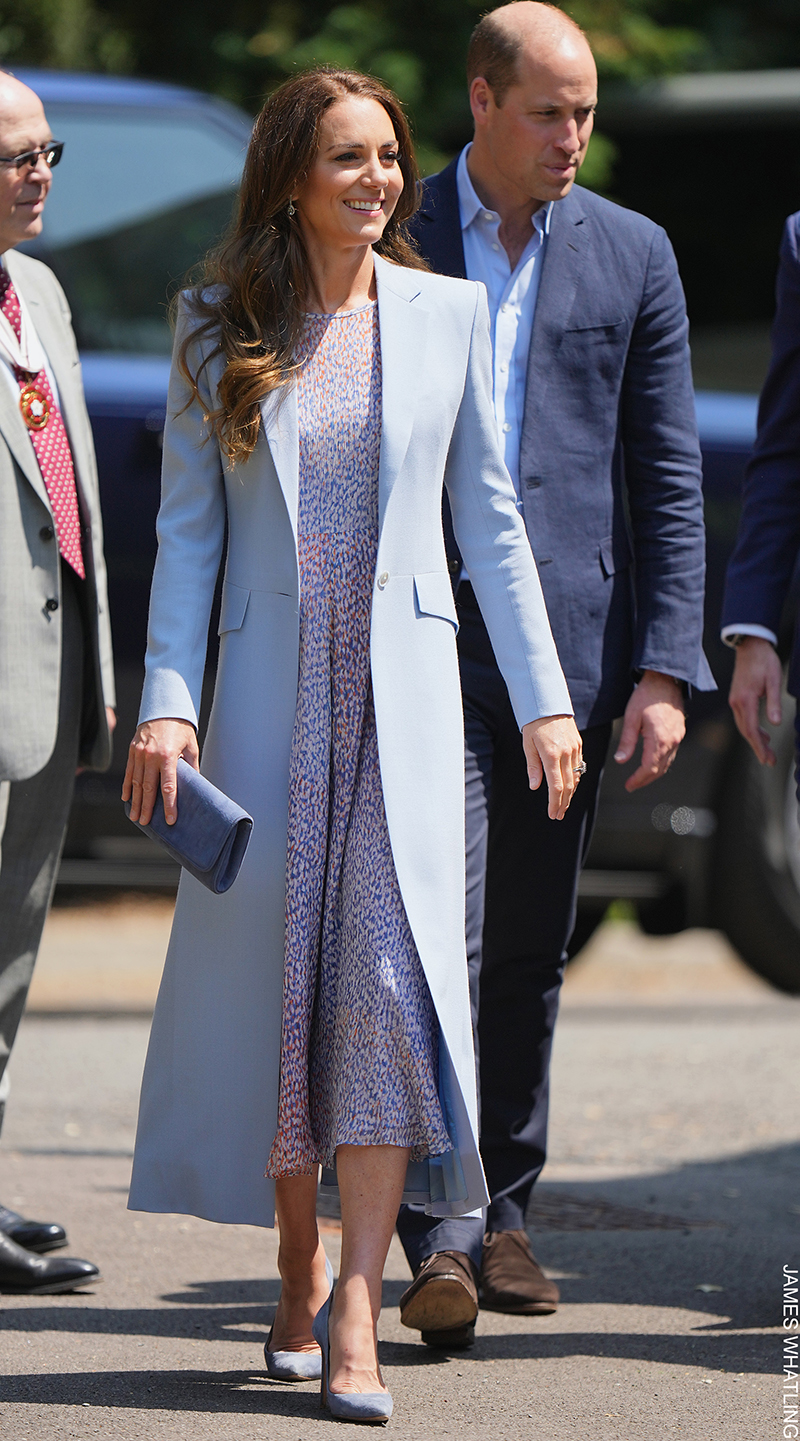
{"type": "Point", "coordinates": [553, 749]}
{"type": "Point", "coordinates": [152, 756]}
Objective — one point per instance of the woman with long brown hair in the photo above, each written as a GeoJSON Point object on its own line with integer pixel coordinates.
{"type": "Point", "coordinates": [324, 388]}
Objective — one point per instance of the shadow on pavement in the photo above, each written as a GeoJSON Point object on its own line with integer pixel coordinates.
{"type": "Point", "coordinates": [240, 1392]}
{"type": "Point", "coordinates": [735, 1354]}
{"type": "Point", "coordinates": [198, 1323]}
{"type": "Point", "coordinates": [623, 1245]}
{"type": "Point", "coordinates": [705, 1236]}
{"type": "Point", "coordinates": [227, 1293]}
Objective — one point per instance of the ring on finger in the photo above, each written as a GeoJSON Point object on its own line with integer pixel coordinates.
{"type": "Point", "coordinates": [579, 770]}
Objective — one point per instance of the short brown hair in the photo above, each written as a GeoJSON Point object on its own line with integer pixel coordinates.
{"type": "Point", "coordinates": [494, 51]}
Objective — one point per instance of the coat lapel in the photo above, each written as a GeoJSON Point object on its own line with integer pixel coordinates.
{"type": "Point", "coordinates": [563, 263]}
{"type": "Point", "coordinates": [403, 330]}
{"type": "Point", "coordinates": [279, 417]}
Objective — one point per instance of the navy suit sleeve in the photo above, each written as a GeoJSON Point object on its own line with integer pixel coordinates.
{"type": "Point", "coordinates": [767, 546]}
{"type": "Point", "coordinates": [664, 479]}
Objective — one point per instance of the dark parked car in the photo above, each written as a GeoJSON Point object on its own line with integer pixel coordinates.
{"type": "Point", "coordinates": [146, 185]}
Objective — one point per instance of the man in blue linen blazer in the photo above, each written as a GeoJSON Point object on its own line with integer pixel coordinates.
{"type": "Point", "coordinates": [768, 544]}
{"type": "Point", "coordinates": [610, 489]}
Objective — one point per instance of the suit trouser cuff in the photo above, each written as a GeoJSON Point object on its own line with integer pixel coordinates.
{"type": "Point", "coordinates": [505, 1215]}
{"type": "Point", "coordinates": [422, 1235]}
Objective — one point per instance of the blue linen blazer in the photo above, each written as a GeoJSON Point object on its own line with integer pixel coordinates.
{"type": "Point", "coordinates": [610, 468]}
{"type": "Point", "coordinates": [768, 543]}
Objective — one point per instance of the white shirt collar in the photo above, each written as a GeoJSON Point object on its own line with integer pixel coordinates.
{"type": "Point", "coordinates": [470, 206]}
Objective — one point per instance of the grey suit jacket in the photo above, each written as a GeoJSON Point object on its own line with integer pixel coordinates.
{"type": "Point", "coordinates": [30, 574]}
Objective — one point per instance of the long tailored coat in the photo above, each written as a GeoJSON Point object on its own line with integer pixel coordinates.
{"type": "Point", "coordinates": [209, 1097]}
{"type": "Point", "coordinates": [30, 573]}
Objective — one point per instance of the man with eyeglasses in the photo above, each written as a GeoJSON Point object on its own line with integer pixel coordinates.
{"type": "Point", "coordinates": [56, 673]}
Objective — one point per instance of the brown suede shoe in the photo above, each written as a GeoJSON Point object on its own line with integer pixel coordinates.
{"type": "Point", "coordinates": [443, 1298]}
{"type": "Point", "coordinates": [512, 1280]}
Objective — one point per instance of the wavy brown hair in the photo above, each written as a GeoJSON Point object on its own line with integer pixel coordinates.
{"type": "Point", "coordinates": [254, 289]}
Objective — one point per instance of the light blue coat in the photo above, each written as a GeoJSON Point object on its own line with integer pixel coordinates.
{"type": "Point", "coordinates": [209, 1096]}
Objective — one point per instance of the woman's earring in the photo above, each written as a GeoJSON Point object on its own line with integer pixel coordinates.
{"type": "Point", "coordinates": [291, 209]}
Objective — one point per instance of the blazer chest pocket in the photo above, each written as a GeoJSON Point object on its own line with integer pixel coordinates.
{"type": "Point", "coordinates": [233, 607]}
{"type": "Point", "coordinates": [433, 595]}
{"type": "Point", "coordinates": [599, 331]}
{"type": "Point", "coordinates": [615, 554]}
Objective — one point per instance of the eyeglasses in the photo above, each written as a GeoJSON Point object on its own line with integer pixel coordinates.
{"type": "Point", "coordinates": [50, 153]}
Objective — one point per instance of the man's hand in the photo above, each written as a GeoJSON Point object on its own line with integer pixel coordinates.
{"type": "Point", "coordinates": [757, 673]}
{"type": "Point", "coordinates": [553, 749]}
{"type": "Point", "coordinates": [654, 712]}
{"type": "Point", "coordinates": [152, 757]}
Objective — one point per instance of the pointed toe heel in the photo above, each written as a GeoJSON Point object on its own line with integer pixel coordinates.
{"type": "Point", "coordinates": [292, 1365]}
{"type": "Point", "coordinates": [295, 1365]}
{"type": "Point", "coordinates": [371, 1407]}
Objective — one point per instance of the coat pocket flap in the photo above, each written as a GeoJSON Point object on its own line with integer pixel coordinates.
{"type": "Point", "coordinates": [615, 553]}
{"type": "Point", "coordinates": [433, 594]}
{"type": "Point", "coordinates": [233, 608]}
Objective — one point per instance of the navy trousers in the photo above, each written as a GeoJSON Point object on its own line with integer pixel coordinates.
{"type": "Point", "coordinates": [522, 882]}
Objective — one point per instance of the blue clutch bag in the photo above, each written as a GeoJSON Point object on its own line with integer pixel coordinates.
{"type": "Point", "coordinates": [211, 834]}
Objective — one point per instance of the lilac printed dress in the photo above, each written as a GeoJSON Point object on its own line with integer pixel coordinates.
{"type": "Point", "coordinates": [359, 1046]}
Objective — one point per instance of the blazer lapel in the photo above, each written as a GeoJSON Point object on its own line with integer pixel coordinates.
{"type": "Point", "coordinates": [15, 434]}
{"type": "Point", "coordinates": [436, 227]}
{"type": "Point", "coordinates": [13, 427]}
{"type": "Point", "coordinates": [65, 372]}
{"type": "Point", "coordinates": [403, 331]}
{"type": "Point", "coordinates": [561, 271]}
{"type": "Point", "coordinates": [279, 417]}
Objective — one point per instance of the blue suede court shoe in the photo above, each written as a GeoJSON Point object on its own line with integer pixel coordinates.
{"type": "Point", "coordinates": [295, 1365]}
{"type": "Point", "coordinates": [372, 1407]}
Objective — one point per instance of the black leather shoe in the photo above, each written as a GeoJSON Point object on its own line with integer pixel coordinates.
{"type": "Point", "coordinates": [442, 1300]}
{"type": "Point", "coordinates": [33, 1235]}
{"type": "Point", "coordinates": [23, 1273]}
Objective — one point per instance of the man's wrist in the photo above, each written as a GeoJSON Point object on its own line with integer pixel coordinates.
{"type": "Point", "coordinates": [663, 675]}
{"type": "Point", "coordinates": [737, 641]}
{"type": "Point", "coordinates": [678, 685]}
{"type": "Point", "coordinates": [733, 635]}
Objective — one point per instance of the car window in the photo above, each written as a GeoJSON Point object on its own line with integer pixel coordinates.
{"type": "Point", "coordinates": [136, 201]}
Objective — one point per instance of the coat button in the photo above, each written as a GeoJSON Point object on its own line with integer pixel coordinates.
{"type": "Point", "coordinates": [51, 604]}
{"type": "Point", "coordinates": [383, 579]}
{"type": "Point", "coordinates": [46, 532]}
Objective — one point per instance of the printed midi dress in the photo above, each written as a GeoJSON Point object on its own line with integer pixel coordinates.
{"type": "Point", "coordinates": [359, 1044]}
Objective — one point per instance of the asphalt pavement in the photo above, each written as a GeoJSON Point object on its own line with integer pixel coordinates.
{"type": "Point", "coordinates": [668, 1208]}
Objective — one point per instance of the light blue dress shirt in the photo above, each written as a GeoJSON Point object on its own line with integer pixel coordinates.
{"type": "Point", "coordinates": [512, 304]}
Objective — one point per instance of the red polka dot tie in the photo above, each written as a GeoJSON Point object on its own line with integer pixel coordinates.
{"type": "Point", "coordinates": [49, 439]}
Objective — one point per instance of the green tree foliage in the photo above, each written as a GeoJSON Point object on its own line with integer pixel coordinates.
{"type": "Point", "coordinates": [241, 49]}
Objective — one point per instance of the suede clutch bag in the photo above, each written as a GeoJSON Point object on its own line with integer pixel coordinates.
{"type": "Point", "coordinates": [211, 834]}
